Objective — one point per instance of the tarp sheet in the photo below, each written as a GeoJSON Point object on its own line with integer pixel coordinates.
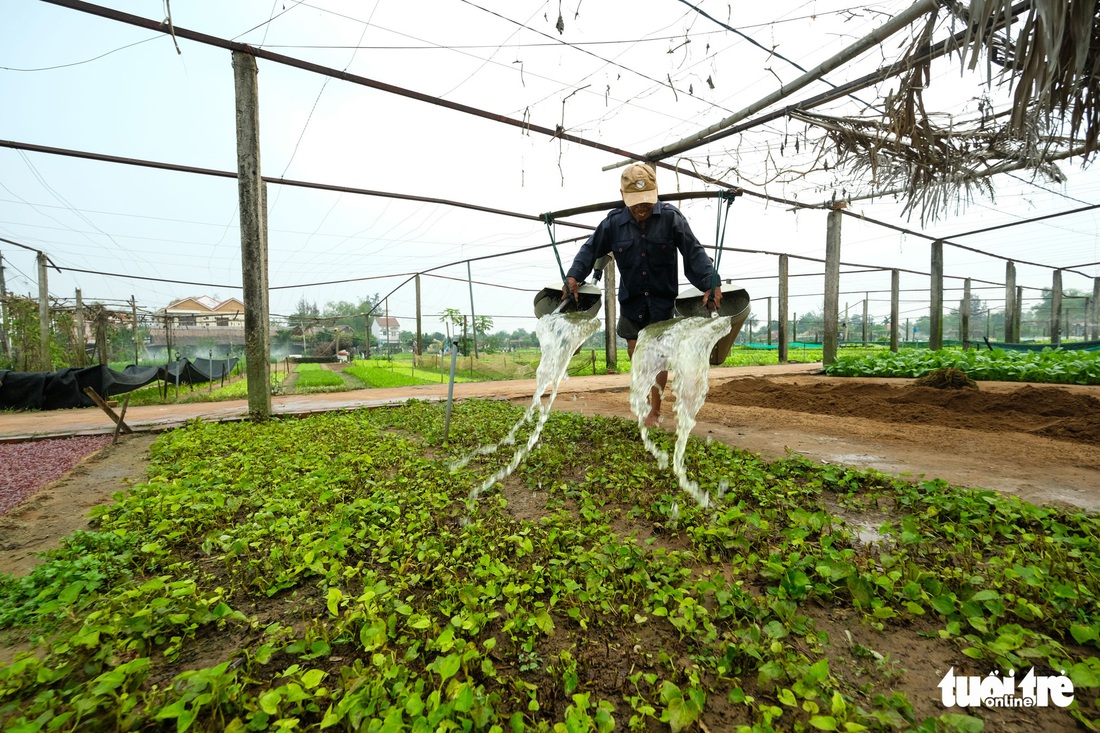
{"type": "Point", "coordinates": [65, 388]}
{"type": "Point", "coordinates": [186, 371]}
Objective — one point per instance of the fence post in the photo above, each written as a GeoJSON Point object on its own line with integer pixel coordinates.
{"type": "Point", "coordinates": [252, 196]}
{"type": "Point", "coordinates": [1095, 333]}
{"type": "Point", "coordinates": [44, 359]}
{"type": "Point", "coordinates": [784, 297]}
{"type": "Point", "coordinates": [964, 316]}
{"type": "Point", "coordinates": [832, 286]}
{"type": "Point", "coordinates": [1056, 310]}
{"type": "Point", "coordinates": [81, 355]}
{"type": "Point", "coordinates": [866, 300]}
{"type": "Point", "coordinates": [895, 289]}
{"type": "Point", "coordinates": [611, 343]}
{"type": "Point", "coordinates": [1012, 333]}
{"type": "Point", "coordinates": [935, 321]}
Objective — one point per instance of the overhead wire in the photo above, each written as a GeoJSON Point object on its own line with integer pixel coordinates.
{"type": "Point", "coordinates": [85, 61]}
{"type": "Point", "coordinates": [582, 50]}
{"type": "Point", "coordinates": [1044, 265]}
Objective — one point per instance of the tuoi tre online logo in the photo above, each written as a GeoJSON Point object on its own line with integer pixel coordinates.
{"type": "Point", "coordinates": [996, 691]}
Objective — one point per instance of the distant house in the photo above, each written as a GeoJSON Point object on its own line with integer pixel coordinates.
{"type": "Point", "coordinates": [198, 320]}
{"type": "Point", "coordinates": [203, 310]}
{"type": "Point", "coordinates": [386, 328]}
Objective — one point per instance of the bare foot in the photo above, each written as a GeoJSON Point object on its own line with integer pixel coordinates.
{"type": "Point", "coordinates": [653, 419]}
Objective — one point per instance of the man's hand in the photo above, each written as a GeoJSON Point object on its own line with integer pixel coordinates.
{"type": "Point", "coordinates": [570, 287]}
{"type": "Point", "coordinates": [712, 299]}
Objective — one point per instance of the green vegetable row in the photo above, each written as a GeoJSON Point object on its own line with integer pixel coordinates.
{"type": "Point", "coordinates": [1049, 365]}
{"type": "Point", "coordinates": [328, 573]}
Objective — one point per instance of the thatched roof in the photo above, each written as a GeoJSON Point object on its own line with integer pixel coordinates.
{"type": "Point", "coordinates": [1049, 59]}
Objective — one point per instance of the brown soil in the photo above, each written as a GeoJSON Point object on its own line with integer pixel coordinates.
{"type": "Point", "coordinates": [1037, 441]}
{"type": "Point", "coordinates": [62, 507]}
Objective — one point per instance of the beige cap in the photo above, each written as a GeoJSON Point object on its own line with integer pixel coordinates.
{"type": "Point", "coordinates": [639, 185]}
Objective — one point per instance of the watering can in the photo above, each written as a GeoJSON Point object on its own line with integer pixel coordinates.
{"type": "Point", "coordinates": [735, 303]}
{"type": "Point", "coordinates": [548, 300]}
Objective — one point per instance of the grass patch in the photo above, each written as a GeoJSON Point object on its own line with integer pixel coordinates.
{"type": "Point", "coordinates": [380, 376]}
{"type": "Point", "coordinates": [313, 376]}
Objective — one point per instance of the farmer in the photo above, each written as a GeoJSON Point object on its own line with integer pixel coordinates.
{"type": "Point", "coordinates": [644, 238]}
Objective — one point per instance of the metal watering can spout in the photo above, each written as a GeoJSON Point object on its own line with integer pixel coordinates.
{"type": "Point", "coordinates": [548, 300]}
{"type": "Point", "coordinates": [735, 304]}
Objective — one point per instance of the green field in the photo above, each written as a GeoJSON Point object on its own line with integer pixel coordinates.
{"type": "Point", "coordinates": [371, 372]}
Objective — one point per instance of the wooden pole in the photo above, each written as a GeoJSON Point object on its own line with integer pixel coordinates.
{"type": "Point", "coordinates": [611, 342]}
{"type": "Point", "coordinates": [133, 315]}
{"type": "Point", "coordinates": [5, 346]}
{"type": "Point", "coordinates": [1056, 310]}
{"type": "Point", "coordinates": [473, 315]}
{"type": "Point", "coordinates": [1095, 333]}
{"type": "Point", "coordinates": [45, 360]}
{"type": "Point", "coordinates": [101, 335]}
{"type": "Point", "coordinates": [895, 289]}
{"type": "Point", "coordinates": [121, 418]}
{"type": "Point", "coordinates": [1012, 335]}
{"type": "Point", "coordinates": [81, 355]}
{"type": "Point", "coordinates": [107, 409]}
{"type": "Point", "coordinates": [769, 320]}
{"type": "Point", "coordinates": [784, 298]}
{"type": "Point", "coordinates": [964, 316]}
{"type": "Point", "coordinates": [832, 286]}
{"type": "Point", "coordinates": [935, 335]}
{"type": "Point", "coordinates": [419, 331]}
{"type": "Point", "coordinates": [866, 300]}
{"type": "Point", "coordinates": [253, 223]}
{"type": "Point", "coordinates": [1018, 313]}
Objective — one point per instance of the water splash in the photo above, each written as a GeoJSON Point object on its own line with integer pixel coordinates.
{"type": "Point", "coordinates": [559, 334]}
{"type": "Point", "coordinates": [682, 347]}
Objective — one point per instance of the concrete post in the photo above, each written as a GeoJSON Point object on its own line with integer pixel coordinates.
{"type": "Point", "coordinates": [419, 325]}
{"type": "Point", "coordinates": [611, 343]}
{"type": "Point", "coordinates": [80, 340]}
{"type": "Point", "coordinates": [769, 320]}
{"type": "Point", "coordinates": [133, 315]}
{"type": "Point", "coordinates": [1018, 312]}
{"type": "Point", "coordinates": [5, 347]}
{"type": "Point", "coordinates": [866, 300]}
{"type": "Point", "coordinates": [1094, 335]}
{"type": "Point", "coordinates": [253, 223]}
{"type": "Point", "coordinates": [832, 287]}
{"type": "Point", "coordinates": [935, 325]}
{"type": "Point", "coordinates": [784, 298]}
{"type": "Point", "coordinates": [1012, 334]}
{"type": "Point", "coordinates": [1056, 310]}
{"type": "Point", "coordinates": [964, 316]}
{"type": "Point", "coordinates": [45, 361]}
{"type": "Point", "coordinates": [473, 316]}
{"type": "Point", "coordinates": [895, 290]}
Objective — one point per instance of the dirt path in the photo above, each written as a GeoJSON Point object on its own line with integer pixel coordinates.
{"type": "Point", "coordinates": [1039, 442]}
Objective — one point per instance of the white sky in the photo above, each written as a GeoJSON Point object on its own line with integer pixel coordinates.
{"type": "Point", "coordinates": [611, 85]}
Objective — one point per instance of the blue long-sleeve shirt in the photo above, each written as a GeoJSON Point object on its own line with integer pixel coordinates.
{"type": "Point", "coordinates": [646, 260]}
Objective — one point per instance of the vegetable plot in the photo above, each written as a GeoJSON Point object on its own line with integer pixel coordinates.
{"type": "Point", "coordinates": [1049, 365]}
{"type": "Point", "coordinates": [326, 573]}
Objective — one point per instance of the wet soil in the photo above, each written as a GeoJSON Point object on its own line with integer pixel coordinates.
{"type": "Point", "coordinates": [1039, 442]}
